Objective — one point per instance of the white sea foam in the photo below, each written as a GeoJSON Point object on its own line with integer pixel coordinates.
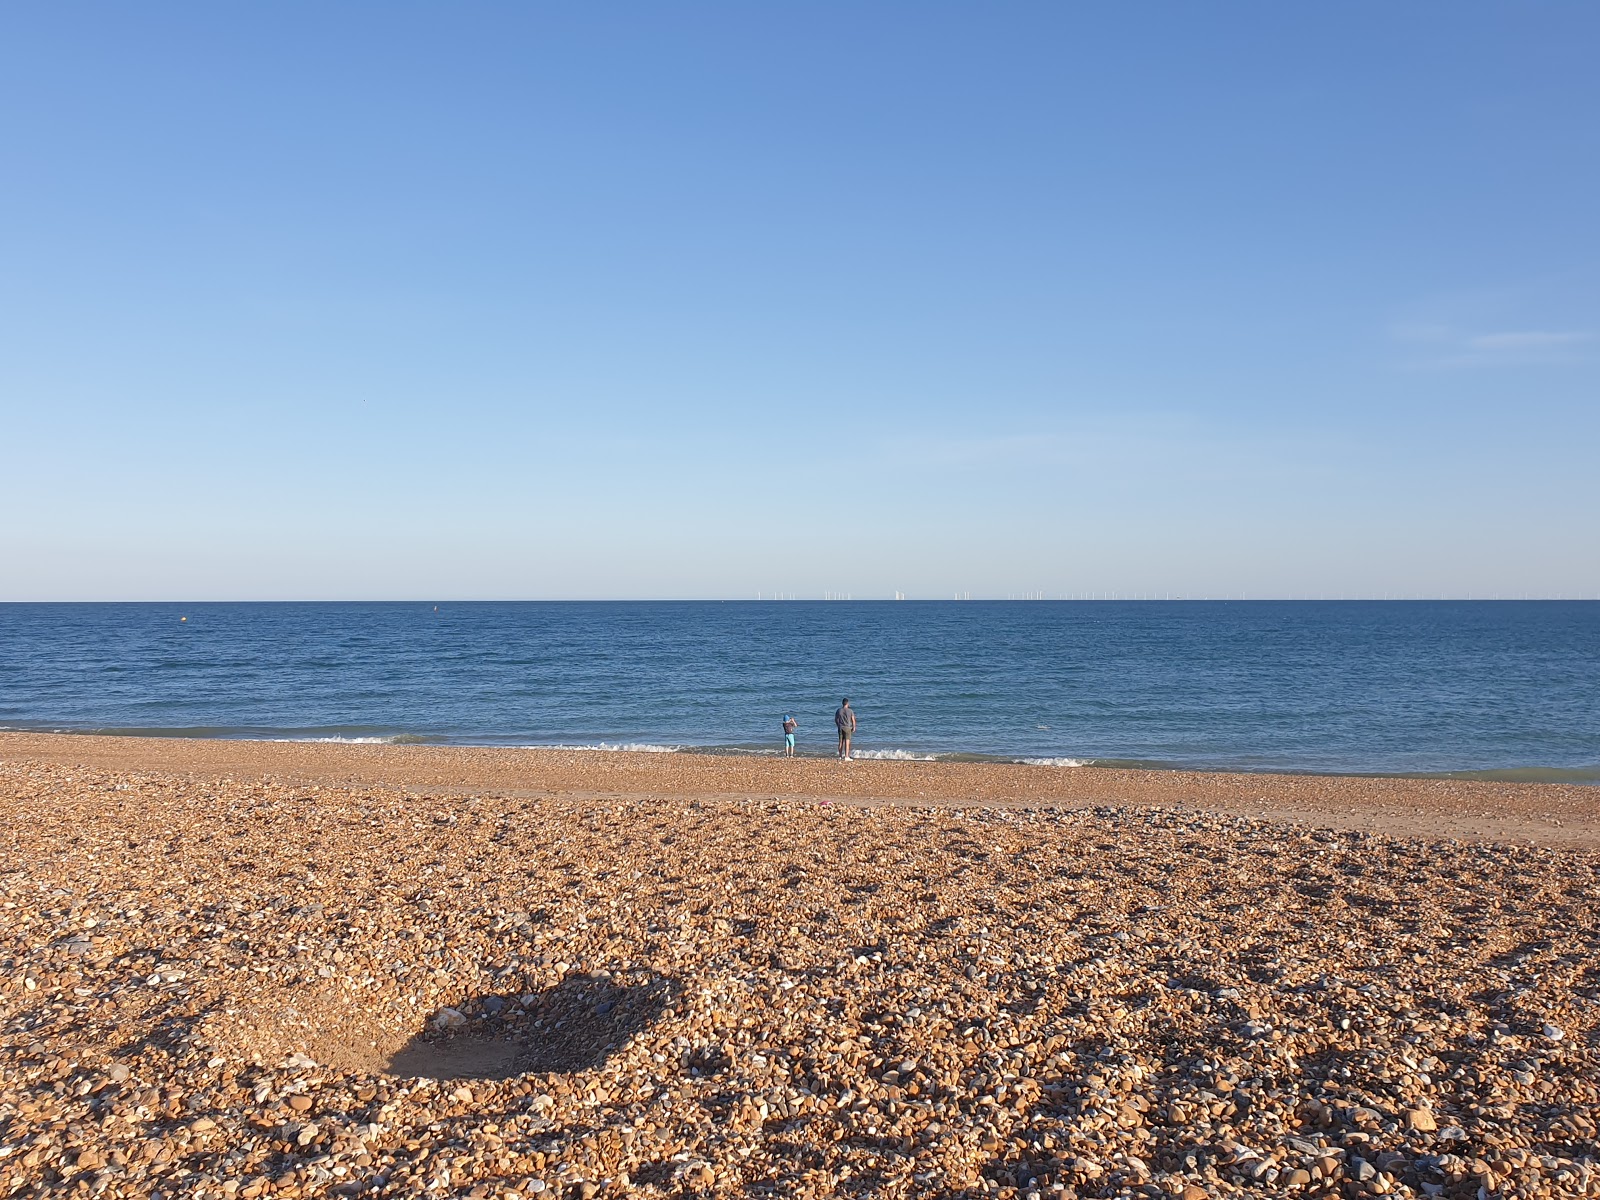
{"type": "Point", "coordinates": [634, 747]}
{"type": "Point", "coordinates": [897, 755]}
{"type": "Point", "coordinates": [1054, 762]}
{"type": "Point", "coordinates": [344, 741]}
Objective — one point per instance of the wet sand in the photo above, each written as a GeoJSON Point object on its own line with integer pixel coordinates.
{"type": "Point", "coordinates": [235, 969]}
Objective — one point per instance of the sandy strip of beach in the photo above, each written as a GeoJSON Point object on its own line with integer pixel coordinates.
{"type": "Point", "coordinates": [235, 971]}
{"type": "Point", "coordinates": [1542, 814]}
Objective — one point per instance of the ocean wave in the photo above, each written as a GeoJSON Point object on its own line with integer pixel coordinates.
{"type": "Point", "coordinates": [630, 747]}
{"type": "Point", "coordinates": [350, 735]}
{"type": "Point", "coordinates": [346, 741]}
{"type": "Point", "coordinates": [357, 739]}
{"type": "Point", "coordinates": [897, 755]}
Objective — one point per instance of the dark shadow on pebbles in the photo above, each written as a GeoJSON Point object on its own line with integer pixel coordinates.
{"type": "Point", "coordinates": [573, 1026]}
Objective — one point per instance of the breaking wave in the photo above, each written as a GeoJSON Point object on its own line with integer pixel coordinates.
{"type": "Point", "coordinates": [631, 747]}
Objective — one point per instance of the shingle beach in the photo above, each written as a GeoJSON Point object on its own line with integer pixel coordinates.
{"type": "Point", "coordinates": [257, 969]}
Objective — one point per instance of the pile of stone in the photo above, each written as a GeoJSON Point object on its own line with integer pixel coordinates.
{"type": "Point", "coordinates": [229, 988]}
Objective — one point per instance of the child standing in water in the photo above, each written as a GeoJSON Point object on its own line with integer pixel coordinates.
{"type": "Point", "coordinates": [789, 726]}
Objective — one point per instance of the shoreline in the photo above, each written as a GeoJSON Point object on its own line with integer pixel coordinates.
{"type": "Point", "coordinates": [1566, 815]}
{"type": "Point", "coordinates": [1581, 776]}
{"type": "Point", "coordinates": [1525, 773]}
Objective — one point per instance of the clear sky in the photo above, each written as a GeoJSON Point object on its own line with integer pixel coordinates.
{"type": "Point", "coordinates": [518, 300]}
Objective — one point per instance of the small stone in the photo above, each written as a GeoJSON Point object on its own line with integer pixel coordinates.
{"type": "Point", "coordinates": [118, 1073]}
{"type": "Point", "coordinates": [1297, 1178]}
{"type": "Point", "coordinates": [1421, 1120]}
{"type": "Point", "coordinates": [1552, 1033]}
{"type": "Point", "coordinates": [449, 1018]}
{"type": "Point", "coordinates": [201, 1124]}
{"type": "Point", "coordinates": [1194, 1192]}
{"type": "Point", "coordinates": [491, 1005]}
{"type": "Point", "coordinates": [300, 1103]}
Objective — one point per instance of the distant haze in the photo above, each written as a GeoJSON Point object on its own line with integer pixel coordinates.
{"type": "Point", "coordinates": [719, 300]}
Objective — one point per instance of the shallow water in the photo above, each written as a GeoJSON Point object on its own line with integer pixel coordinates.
{"type": "Point", "coordinates": [1511, 689]}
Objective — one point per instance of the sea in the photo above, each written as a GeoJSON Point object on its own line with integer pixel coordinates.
{"type": "Point", "coordinates": [1478, 689]}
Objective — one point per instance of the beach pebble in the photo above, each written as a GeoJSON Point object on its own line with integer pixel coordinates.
{"type": "Point", "coordinates": [449, 1018]}
{"type": "Point", "coordinates": [1420, 1120]}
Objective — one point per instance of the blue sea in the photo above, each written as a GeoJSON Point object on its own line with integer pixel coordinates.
{"type": "Point", "coordinates": [1491, 689]}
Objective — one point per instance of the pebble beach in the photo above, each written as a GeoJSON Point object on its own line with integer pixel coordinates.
{"type": "Point", "coordinates": [257, 969]}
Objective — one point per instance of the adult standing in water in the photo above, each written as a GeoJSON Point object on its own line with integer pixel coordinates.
{"type": "Point", "coordinates": [845, 721]}
{"type": "Point", "coordinates": [789, 726]}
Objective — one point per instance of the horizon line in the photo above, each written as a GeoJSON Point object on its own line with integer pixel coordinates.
{"type": "Point", "coordinates": [901, 598]}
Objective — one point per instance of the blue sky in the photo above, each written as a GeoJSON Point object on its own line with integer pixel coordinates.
{"type": "Point", "coordinates": [504, 301]}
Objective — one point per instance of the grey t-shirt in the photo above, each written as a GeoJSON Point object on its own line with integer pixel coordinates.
{"type": "Point", "coordinates": [845, 718]}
